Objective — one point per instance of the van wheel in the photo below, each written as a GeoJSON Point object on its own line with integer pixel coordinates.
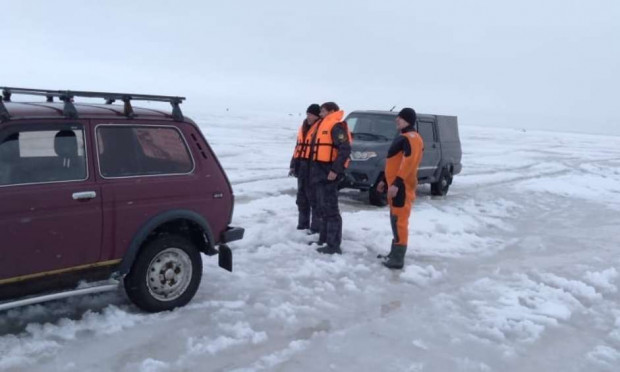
{"type": "Point", "coordinates": [440, 188]}
{"type": "Point", "coordinates": [375, 197]}
{"type": "Point", "coordinates": [165, 275]}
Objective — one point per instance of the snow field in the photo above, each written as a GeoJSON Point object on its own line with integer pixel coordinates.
{"type": "Point", "coordinates": [516, 269]}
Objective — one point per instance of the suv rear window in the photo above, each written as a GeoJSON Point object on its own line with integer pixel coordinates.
{"type": "Point", "coordinates": [51, 154]}
{"type": "Point", "coordinates": [448, 131]}
{"type": "Point", "coordinates": [127, 151]}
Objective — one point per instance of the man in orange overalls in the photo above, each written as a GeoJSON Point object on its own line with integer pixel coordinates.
{"type": "Point", "coordinates": [401, 176]}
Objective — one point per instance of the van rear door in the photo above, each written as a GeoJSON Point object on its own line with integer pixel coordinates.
{"type": "Point", "coordinates": [432, 151]}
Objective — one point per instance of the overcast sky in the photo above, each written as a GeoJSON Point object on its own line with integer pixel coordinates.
{"type": "Point", "coordinates": [535, 64]}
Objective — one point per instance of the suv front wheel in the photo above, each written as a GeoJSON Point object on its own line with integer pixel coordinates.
{"type": "Point", "coordinates": [166, 274]}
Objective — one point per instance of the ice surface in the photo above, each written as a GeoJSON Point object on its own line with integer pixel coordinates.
{"type": "Point", "coordinates": [515, 270]}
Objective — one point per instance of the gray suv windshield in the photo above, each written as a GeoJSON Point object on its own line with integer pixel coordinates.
{"type": "Point", "coordinates": [372, 127]}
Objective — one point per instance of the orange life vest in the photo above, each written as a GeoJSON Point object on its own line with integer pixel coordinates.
{"type": "Point", "coordinates": [302, 149]}
{"type": "Point", "coordinates": [323, 148]}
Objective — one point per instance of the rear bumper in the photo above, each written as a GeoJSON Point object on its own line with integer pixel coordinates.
{"type": "Point", "coordinates": [232, 234]}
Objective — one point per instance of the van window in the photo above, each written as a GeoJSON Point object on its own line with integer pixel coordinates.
{"type": "Point", "coordinates": [425, 129]}
{"type": "Point", "coordinates": [127, 151]}
{"type": "Point", "coordinates": [29, 155]}
{"type": "Point", "coordinates": [448, 131]}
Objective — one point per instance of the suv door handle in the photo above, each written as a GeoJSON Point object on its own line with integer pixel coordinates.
{"type": "Point", "coordinates": [84, 195]}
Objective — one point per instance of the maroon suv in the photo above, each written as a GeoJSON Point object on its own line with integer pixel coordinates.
{"type": "Point", "coordinates": [107, 194]}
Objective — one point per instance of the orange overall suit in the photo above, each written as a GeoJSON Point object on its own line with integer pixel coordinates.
{"type": "Point", "coordinates": [401, 170]}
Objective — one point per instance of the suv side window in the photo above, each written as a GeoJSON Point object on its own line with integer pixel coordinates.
{"type": "Point", "coordinates": [40, 154]}
{"type": "Point", "coordinates": [425, 129]}
{"type": "Point", "coordinates": [129, 151]}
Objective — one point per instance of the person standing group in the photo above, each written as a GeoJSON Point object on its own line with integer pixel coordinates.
{"type": "Point", "coordinates": [320, 158]}
{"type": "Point", "coordinates": [319, 161]}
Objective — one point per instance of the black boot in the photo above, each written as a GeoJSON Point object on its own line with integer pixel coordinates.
{"type": "Point", "coordinates": [385, 257]}
{"type": "Point", "coordinates": [315, 225]}
{"type": "Point", "coordinates": [396, 258]}
{"type": "Point", "coordinates": [303, 221]}
{"type": "Point", "coordinates": [329, 250]}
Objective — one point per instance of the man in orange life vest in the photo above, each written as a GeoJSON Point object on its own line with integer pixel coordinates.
{"type": "Point", "coordinates": [300, 168]}
{"type": "Point", "coordinates": [401, 176]}
{"type": "Point", "coordinates": [331, 147]}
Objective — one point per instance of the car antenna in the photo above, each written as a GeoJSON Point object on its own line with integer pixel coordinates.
{"type": "Point", "coordinates": [392, 109]}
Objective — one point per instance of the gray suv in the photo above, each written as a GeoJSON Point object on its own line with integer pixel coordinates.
{"type": "Point", "coordinates": [373, 132]}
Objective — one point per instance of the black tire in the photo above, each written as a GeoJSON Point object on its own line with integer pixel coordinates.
{"type": "Point", "coordinates": [165, 275]}
{"type": "Point", "coordinates": [441, 187]}
{"type": "Point", "coordinates": [375, 197]}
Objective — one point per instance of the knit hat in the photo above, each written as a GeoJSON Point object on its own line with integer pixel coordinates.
{"type": "Point", "coordinates": [330, 106]}
{"type": "Point", "coordinates": [314, 109]}
{"type": "Point", "coordinates": [408, 115]}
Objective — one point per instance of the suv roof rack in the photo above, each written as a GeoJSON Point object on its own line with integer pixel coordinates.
{"type": "Point", "coordinates": [69, 109]}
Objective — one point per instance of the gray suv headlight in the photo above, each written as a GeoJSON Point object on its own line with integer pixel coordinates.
{"type": "Point", "coordinates": [362, 155]}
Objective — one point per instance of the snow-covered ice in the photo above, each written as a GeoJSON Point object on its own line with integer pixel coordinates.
{"type": "Point", "coordinates": [515, 270]}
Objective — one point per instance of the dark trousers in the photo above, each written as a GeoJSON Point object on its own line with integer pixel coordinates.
{"type": "Point", "coordinates": [400, 210]}
{"type": "Point", "coordinates": [331, 222]}
{"type": "Point", "coordinates": [309, 217]}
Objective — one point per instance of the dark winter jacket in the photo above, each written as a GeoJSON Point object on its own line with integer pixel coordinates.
{"type": "Point", "coordinates": [320, 170]}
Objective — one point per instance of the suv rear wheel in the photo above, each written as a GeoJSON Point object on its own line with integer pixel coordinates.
{"type": "Point", "coordinates": [440, 188]}
{"type": "Point", "coordinates": [166, 274]}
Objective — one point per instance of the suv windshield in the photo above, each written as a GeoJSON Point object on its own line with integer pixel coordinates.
{"type": "Point", "coordinates": [370, 127]}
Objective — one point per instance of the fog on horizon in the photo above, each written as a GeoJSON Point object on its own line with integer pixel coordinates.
{"type": "Point", "coordinates": [527, 64]}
